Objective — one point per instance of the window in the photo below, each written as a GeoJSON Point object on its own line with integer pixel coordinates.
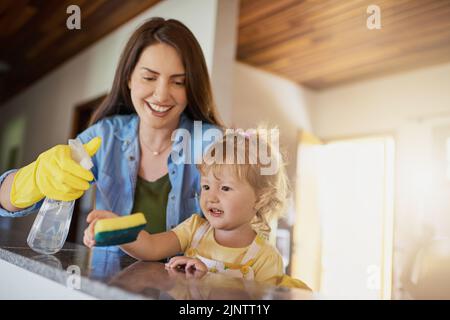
{"type": "Point", "coordinates": [352, 208]}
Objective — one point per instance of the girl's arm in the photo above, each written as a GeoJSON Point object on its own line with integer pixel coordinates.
{"type": "Point", "coordinates": [150, 247]}
{"type": "Point", "coordinates": [153, 247]}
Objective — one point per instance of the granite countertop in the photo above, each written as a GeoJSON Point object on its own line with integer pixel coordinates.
{"type": "Point", "coordinates": [106, 274]}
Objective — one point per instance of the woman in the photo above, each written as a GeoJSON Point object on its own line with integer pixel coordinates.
{"type": "Point", "coordinates": [161, 84]}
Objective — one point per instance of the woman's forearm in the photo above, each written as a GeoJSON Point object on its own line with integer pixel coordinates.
{"type": "Point", "coordinates": [5, 192]}
{"type": "Point", "coordinates": [153, 247]}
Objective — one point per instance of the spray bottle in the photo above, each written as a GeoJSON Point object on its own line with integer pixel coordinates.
{"type": "Point", "coordinates": [51, 226]}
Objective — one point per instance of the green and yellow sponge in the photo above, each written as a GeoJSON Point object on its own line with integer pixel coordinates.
{"type": "Point", "coordinates": [115, 231]}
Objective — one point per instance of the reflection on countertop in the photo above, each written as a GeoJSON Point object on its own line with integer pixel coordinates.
{"type": "Point", "coordinates": [107, 274]}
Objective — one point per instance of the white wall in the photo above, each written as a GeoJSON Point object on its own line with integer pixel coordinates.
{"type": "Point", "coordinates": [48, 104]}
{"type": "Point", "coordinates": [384, 104]}
{"type": "Point", "coordinates": [262, 97]}
{"type": "Point", "coordinates": [224, 57]}
{"type": "Point", "coordinates": [410, 106]}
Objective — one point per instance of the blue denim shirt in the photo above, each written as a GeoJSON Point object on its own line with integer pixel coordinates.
{"type": "Point", "coordinates": [116, 166]}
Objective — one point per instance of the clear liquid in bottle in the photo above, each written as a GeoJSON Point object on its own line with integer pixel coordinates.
{"type": "Point", "coordinates": [51, 226]}
{"type": "Point", "coordinates": [50, 229]}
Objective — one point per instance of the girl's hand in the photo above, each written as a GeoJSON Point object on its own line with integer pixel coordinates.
{"type": "Point", "coordinates": [189, 264]}
{"type": "Point", "coordinates": [92, 218]}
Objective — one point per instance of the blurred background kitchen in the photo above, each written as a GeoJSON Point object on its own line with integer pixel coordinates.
{"type": "Point", "coordinates": [359, 89]}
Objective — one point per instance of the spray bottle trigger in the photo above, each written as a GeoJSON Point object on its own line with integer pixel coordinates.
{"type": "Point", "coordinates": [79, 154]}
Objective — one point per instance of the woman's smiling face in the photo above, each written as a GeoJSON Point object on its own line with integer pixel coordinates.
{"type": "Point", "coordinates": [157, 86]}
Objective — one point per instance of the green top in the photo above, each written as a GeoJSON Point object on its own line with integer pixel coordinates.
{"type": "Point", "coordinates": [150, 198]}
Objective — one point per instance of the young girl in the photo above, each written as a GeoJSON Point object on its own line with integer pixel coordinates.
{"type": "Point", "coordinates": [237, 199]}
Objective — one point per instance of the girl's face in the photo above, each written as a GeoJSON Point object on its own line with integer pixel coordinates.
{"type": "Point", "coordinates": [157, 86]}
{"type": "Point", "coordinates": [226, 201]}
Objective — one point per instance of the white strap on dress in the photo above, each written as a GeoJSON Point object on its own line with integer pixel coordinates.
{"type": "Point", "coordinates": [218, 266]}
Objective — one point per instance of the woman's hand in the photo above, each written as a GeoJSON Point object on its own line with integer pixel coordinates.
{"type": "Point", "coordinates": [54, 174]}
{"type": "Point", "coordinates": [92, 218]}
{"type": "Point", "coordinates": [190, 264]}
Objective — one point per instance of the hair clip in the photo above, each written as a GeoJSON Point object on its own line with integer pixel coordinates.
{"type": "Point", "coordinates": [247, 134]}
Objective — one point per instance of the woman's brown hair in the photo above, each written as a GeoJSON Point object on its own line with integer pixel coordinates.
{"type": "Point", "coordinates": [200, 104]}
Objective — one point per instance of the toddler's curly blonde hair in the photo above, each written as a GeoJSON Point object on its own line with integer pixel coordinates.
{"type": "Point", "coordinates": [252, 156]}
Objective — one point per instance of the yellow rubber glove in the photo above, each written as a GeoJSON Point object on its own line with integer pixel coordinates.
{"type": "Point", "coordinates": [54, 174]}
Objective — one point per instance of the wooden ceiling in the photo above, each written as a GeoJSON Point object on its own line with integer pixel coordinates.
{"type": "Point", "coordinates": [34, 38]}
{"type": "Point", "coordinates": [325, 43]}
{"type": "Point", "coordinates": [316, 43]}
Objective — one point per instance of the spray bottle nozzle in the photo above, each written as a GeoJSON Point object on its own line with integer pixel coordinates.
{"type": "Point", "coordinates": [79, 154]}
